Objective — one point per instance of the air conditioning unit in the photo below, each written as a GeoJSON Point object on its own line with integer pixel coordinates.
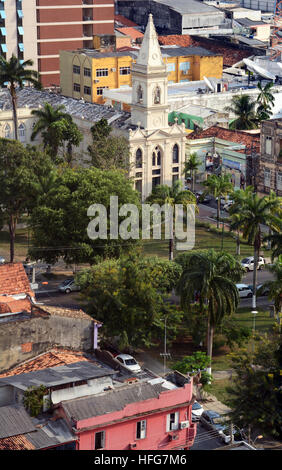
{"type": "Point", "coordinates": [184, 424]}
{"type": "Point", "coordinates": [113, 70]}
{"type": "Point", "coordinates": [173, 437]}
{"type": "Point", "coordinates": [132, 445]}
{"type": "Point", "coordinates": [96, 81]}
{"type": "Point", "coordinates": [185, 72]}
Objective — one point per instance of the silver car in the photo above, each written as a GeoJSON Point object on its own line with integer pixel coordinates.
{"type": "Point", "coordinates": [68, 286]}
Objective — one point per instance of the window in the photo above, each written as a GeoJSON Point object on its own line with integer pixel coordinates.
{"type": "Point", "coordinates": [175, 178]}
{"type": "Point", "coordinates": [138, 186]}
{"type": "Point", "coordinates": [172, 421]}
{"type": "Point", "coordinates": [138, 159]}
{"type": "Point", "coordinates": [141, 429]}
{"type": "Point", "coordinates": [279, 181]}
{"type": "Point", "coordinates": [102, 72]}
{"type": "Point", "coordinates": [156, 157]}
{"type": "Point", "coordinates": [76, 87]}
{"type": "Point", "coordinates": [124, 70]}
{"type": "Point", "coordinates": [157, 95]}
{"type": "Point", "coordinates": [87, 90]}
{"type": "Point", "coordinates": [7, 132]}
{"type": "Point", "coordinates": [99, 440]}
{"type": "Point", "coordinates": [170, 67]}
{"type": "Point", "coordinates": [184, 66]}
{"type": "Point", "coordinates": [139, 94]}
{"type": "Point", "coordinates": [175, 154]}
{"type": "Point", "coordinates": [87, 72]}
{"type": "Point", "coordinates": [268, 144]}
{"type": "Point", "coordinates": [267, 177]}
{"type": "Point", "coordinates": [76, 69]}
{"type": "Point", "coordinates": [100, 90]}
{"type": "Point", "coordinates": [21, 129]}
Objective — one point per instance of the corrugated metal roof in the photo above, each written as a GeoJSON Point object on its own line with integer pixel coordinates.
{"type": "Point", "coordinates": [52, 376]}
{"type": "Point", "coordinates": [14, 420]}
{"type": "Point", "coordinates": [51, 434]}
{"type": "Point", "coordinates": [114, 400]}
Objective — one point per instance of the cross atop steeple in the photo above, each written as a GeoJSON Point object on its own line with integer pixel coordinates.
{"type": "Point", "coordinates": [150, 53]}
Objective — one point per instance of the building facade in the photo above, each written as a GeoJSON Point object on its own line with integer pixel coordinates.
{"type": "Point", "coordinates": [270, 161]}
{"type": "Point", "coordinates": [39, 29]}
{"type": "Point", "coordinates": [86, 74]}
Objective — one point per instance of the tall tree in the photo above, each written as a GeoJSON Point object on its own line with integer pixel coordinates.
{"type": "Point", "coordinates": [257, 211]}
{"type": "Point", "coordinates": [20, 168]}
{"type": "Point", "coordinates": [218, 186]}
{"type": "Point", "coordinates": [191, 166]}
{"type": "Point", "coordinates": [275, 239]}
{"type": "Point", "coordinates": [56, 127]}
{"type": "Point", "coordinates": [244, 109]}
{"type": "Point", "coordinates": [13, 74]}
{"type": "Point", "coordinates": [171, 195]}
{"type": "Point", "coordinates": [275, 286]}
{"type": "Point", "coordinates": [213, 277]}
{"type": "Point", "coordinates": [265, 97]}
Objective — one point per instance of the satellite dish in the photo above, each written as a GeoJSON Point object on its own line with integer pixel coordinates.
{"type": "Point", "coordinates": [208, 83]}
{"type": "Point", "coordinates": [253, 67]}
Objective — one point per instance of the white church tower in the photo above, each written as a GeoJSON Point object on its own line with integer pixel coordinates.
{"type": "Point", "coordinates": [157, 148]}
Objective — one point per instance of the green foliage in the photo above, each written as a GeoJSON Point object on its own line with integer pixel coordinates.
{"type": "Point", "coordinates": [255, 396]}
{"type": "Point", "coordinates": [192, 364]}
{"type": "Point", "coordinates": [34, 399]}
{"type": "Point", "coordinates": [108, 151]}
{"type": "Point", "coordinates": [127, 296]}
{"type": "Point", "coordinates": [235, 335]}
{"type": "Point", "coordinates": [218, 186]}
{"type": "Point", "coordinates": [244, 109]}
{"type": "Point", "coordinates": [59, 222]}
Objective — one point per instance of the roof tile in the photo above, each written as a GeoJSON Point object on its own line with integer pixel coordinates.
{"type": "Point", "coordinates": [13, 279]}
{"type": "Point", "coordinates": [250, 140]}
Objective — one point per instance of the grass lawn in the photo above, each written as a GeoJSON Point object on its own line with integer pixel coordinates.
{"type": "Point", "coordinates": [203, 239]}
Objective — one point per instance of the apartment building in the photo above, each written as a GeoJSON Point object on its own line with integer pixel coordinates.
{"type": "Point", "coordinates": [270, 162]}
{"type": "Point", "coordinates": [86, 73]}
{"type": "Point", "coordinates": [39, 29]}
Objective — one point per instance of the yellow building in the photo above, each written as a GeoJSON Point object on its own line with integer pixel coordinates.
{"type": "Point", "coordinates": [86, 73]}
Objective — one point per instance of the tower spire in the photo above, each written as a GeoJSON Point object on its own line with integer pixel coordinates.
{"type": "Point", "coordinates": [150, 53]}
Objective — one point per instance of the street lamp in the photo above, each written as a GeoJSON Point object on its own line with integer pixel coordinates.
{"type": "Point", "coordinates": [254, 312]}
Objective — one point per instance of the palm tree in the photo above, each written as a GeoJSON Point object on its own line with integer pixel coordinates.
{"type": "Point", "coordinates": [257, 211]}
{"type": "Point", "coordinates": [171, 195]}
{"type": "Point", "coordinates": [213, 275]}
{"type": "Point", "coordinates": [235, 215]}
{"type": "Point", "coordinates": [218, 186]}
{"type": "Point", "coordinates": [275, 240]}
{"type": "Point", "coordinates": [244, 108]}
{"type": "Point", "coordinates": [49, 120]}
{"type": "Point", "coordinates": [265, 96]}
{"type": "Point", "coordinates": [13, 73]}
{"type": "Point", "coordinates": [191, 167]}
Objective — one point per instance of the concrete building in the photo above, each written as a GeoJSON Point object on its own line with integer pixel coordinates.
{"type": "Point", "coordinates": [176, 16]}
{"type": "Point", "coordinates": [270, 162]}
{"type": "Point", "coordinates": [39, 29]}
{"type": "Point", "coordinates": [87, 73]}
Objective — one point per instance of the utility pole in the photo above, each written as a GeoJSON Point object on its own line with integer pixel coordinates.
{"type": "Point", "coordinates": [165, 354]}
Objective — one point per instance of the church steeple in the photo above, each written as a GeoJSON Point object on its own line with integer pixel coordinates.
{"type": "Point", "coordinates": [150, 53]}
{"type": "Point", "coordinates": [149, 84]}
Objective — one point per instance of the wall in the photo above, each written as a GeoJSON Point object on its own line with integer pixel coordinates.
{"type": "Point", "coordinates": [23, 339]}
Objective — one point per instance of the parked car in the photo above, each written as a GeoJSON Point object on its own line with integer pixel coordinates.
{"type": "Point", "coordinates": [244, 290]}
{"type": "Point", "coordinates": [203, 199]}
{"type": "Point", "coordinates": [227, 205]}
{"type": "Point", "coordinates": [197, 411]}
{"type": "Point", "coordinates": [68, 286]}
{"type": "Point", "coordinates": [248, 263]}
{"type": "Point", "coordinates": [2, 260]}
{"type": "Point", "coordinates": [129, 362]}
{"type": "Point", "coordinates": [215, 422]}
{"type": "Point", "coordinates": [262, 290]}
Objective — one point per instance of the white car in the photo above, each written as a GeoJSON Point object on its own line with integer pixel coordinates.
{"type": "Point", "coordinates": [197, 411]}
{"type": "Point", "coordinates": [248, 263]}
{"type": "Point", "coordinates": [2, 260]}
{"type": "Point", "coordinates": [129, 362]}
{"type": "Point", "coordinates": [244, 290]}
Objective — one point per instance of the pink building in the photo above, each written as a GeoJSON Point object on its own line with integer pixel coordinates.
{"type": "Point", "coordinates": [151, 415]}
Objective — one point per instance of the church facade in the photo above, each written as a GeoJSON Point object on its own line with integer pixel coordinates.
{"type": "Point", "coordinates": [157, 149]}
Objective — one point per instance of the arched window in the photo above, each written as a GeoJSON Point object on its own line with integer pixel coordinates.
{"type": "Point", "coordinates": [157, 95]}
{"type": "Point", "coordinates": [156, 157]}
{"type": "Point", "coordinates": [21, 129]}
{"type": "Point", "coordinates": [175, 154]}
{"type": "Point", "coordinates": [138, 158]}
{"type": "Point", "coordinates": [139, 94]}
{"type": "Point", "coordinates": [7, 131]}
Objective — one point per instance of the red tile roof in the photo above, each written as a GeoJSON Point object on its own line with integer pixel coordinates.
{"type": "Point", "coordinates": [10, 305]}
{"type": "Point", "coordinates": [231, 55]}
{"type": "Point", "coordinates": [19, 442]}
{"type": "Point", "coordinates": [132, 32]}
{"type": "Point", "coordinates": [121, 19]}
{"type": "Point", "coordinates": [53, 358]}
{"type": "Point", "coordinates": [66, 312]}
{"type": "Point", "coordinates": [13, 279]}
{"type": "Point", "coordinates": [228, 134]}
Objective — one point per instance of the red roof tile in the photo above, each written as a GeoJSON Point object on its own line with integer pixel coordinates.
{"type": "Point", "coordinates": [19, 442]}
{"type": "Point", "coordinates": [123, 20]}
{"type": "Point", "coordinates": [10, 305]}
{"type": "Point", "coordinates": [13, 279]}
{"type": "Point", "coordinates": [132, 32]}
{"type": "Point", "coordinates": [250, 140]}
{"type": "Point", "coordinates": [53, 358]}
